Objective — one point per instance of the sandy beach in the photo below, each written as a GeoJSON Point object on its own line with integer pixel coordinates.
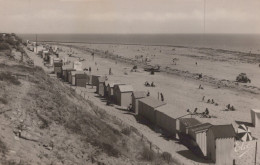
{"type": "Point", "coordinates": [178, 82]}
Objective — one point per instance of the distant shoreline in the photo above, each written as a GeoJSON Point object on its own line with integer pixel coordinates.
{"type": "Point", "coordinates": [174, 46]}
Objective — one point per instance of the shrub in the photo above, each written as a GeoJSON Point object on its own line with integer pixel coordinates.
{"type": "Point", "coordinates": [110, 150]}
{"type": "Point", "coordinates": [4, 46]}
{"type": "Point", "coordinates": [148, 154]}
{"type": "Point", "coordinates": [9, 78]}
{"type": "Point", "coordinates": [3, 148]}
{"type": "Point", "coordinates": [3, 100]}
{"type": "Point", "coordinates": [126, 131]}
{"type": "Point", "coordinates": [166, 156]}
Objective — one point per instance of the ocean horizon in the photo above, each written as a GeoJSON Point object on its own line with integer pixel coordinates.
{"type": "Point", "coordinates": [233, 42]}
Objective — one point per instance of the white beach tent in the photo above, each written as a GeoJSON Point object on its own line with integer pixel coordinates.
{"type": "Point", "coordinates": [255, 116]}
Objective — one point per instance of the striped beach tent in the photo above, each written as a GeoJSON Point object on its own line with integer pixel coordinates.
{"type": "Point", "coordinates": [244, 133]}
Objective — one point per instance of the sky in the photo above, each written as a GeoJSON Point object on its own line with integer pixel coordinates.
{"type": "Point", "coordinates": [130, 16]}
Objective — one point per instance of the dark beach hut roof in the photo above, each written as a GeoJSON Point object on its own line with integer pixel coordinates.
{"type": "Point", "coordinates": [200, 127]}
{"type": "Point", "coordinates": [153, 102]}
{"type": "Point", "coordinates": [223, 131]}
{"type": "Point", "coordinates": [139, 94]}
{"type": "Point", "coordinates": [188, 122]}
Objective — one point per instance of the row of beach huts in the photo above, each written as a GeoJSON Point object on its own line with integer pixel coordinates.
{"type": "Point", "coordinates": [213, 142]}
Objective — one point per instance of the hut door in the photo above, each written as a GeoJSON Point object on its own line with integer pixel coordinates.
{"type": "Point", "coordinates": [177, 125]}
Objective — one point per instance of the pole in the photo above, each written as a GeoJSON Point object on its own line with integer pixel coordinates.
{"type": "Point", "coordinates": [36, 43]}
{"type": "Point", "coordinates": [255, 151]}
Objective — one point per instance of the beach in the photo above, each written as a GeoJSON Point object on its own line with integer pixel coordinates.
{"type": "Point", "coordinates": [178, 81]}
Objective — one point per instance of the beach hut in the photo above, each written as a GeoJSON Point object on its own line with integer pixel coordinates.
{"type": "Point", "coordinates": [123, 95]}
{"type": "Point", "coordinates": [66, 72]}
{"type": "Point", "coordinates": [77, 65]}
{"type": "Point", "coordinates": [220, 144]}
{"type": "Point", "coordinates": [81, 75]}
{"type": "Point", "coordinates": [110, 89]}
{"type": "Point", "coordinates": [101, 86]}
{"type": "Point", "coordinates": [199, 134]}
{"type": "Point", "coordinates": [166, 118]}
{"type": "Point", "coordinates": [95, 79]}
{"type": "Point", "coordinates": [147, 106]}
{"type": "Point", "coordinates": [136, 95]}
{"type": "Point", "coordinates": [255, 116]}
{"type": "Point", "coordinates": [58, 69]}
{"type": "Point", "coordinates": [106, 88]}
{"type": "Point", "coordinates": [81, 79]}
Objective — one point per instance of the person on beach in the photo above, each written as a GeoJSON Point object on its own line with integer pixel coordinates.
{"type": "Point", "coordinates": [195, 110]}
{"type": "Point", "coordinates": [196, 63]}
{"type": "Point", "coordinates": [206, 111]}
{"type": "Point", "coordinates": [208, 101]}
{"type": "Point", "coordinates": [110, 71]}
{"type": "Point", "coordinates": [152, 84]}
{"type": "Point", "coordinates": [212, 101]}
{"type": "Point", "coordinates": [228, 106]}
{"type": "Point", "coordinates": [92, 55]}
{"type": "Point", "coordinates": [203, 98]}
{"type": "Point", "coordinates": [148, 93]}
{"type": "Point", "coordinates": [162, 98]}
{"type": "Point", "coordinates": [200, 86]}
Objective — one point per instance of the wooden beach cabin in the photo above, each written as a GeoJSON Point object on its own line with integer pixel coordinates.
{"type": "Point", "coordinates": [81, 79]}
{"type": "Point", "coordinates": [136, 95]}
{"type": "Point", "coordinates": [58, 69]}
{"type": "Point", "coordinates": [65, 73]}
{"type": "Point", "coordinates": [123, 95]}
{"type": "Point", "coordinates": [94, 80]}
{"type": "Point", "coordinates": [106, 88]}
{"type": "Point", "coordinates": [101, 86]}
{"type": "Point", "coordinates": [80, 74]}
{"type": "Point", "coordinates": [110, 89]}
{"type": "Point", "coordinates": [166, 118]}
{"type": "Point", "coordinates": [199, 134]}
{"type": "Point", "coordinates": [221, 142]}
{"type": "Point", "coordinates": [69, 77]}
{"type": "Point", "coordinates": [147, 106]}
{"type": "Point", "coordinates": [255, 116]}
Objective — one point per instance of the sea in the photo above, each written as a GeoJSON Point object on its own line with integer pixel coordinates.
{"type": "Point", "coordinates": [233, 42]}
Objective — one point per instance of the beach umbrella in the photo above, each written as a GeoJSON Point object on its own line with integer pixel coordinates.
{"type": "Point", "coordinates": [244, 133]}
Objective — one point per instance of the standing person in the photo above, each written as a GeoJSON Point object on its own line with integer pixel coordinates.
{"type": "Point", "coordinates": [203, 98]}
{"type": "Point", "coordinates": [92, 55]}
{"type": "Point", "coordinates": [148, 93]}
{"type": "Point", "coordinates": [110, 71]}
{"type": "Point", "coordinates": [89, 69]}
{"type": "Point", "coordinates": [162, 98]}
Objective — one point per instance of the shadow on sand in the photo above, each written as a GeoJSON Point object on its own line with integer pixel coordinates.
{"type": "Point", "coordinates": [189, 155]}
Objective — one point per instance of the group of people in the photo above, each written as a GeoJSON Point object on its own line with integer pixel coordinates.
{"type": "Point", "coordinates": [203, 114]}
{"type": "Point", "coordinates": [230, 108]}
{"type": "Point", "coordinates": [147, 84]}
{"type": "Point", "coordinates": [210, 101]}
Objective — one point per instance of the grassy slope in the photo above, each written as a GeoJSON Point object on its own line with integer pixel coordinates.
{"type": "Point", "coordinates": [44, 122]}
